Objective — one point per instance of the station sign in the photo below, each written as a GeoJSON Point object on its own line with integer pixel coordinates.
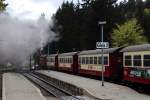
{"type": "Point", "coordinates": [102, 45]}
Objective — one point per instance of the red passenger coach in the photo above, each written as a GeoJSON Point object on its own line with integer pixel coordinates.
{"type": "Point", "coordinates": [136, 62]}
{"type": "Point", "coordinates": [68, 62]}
{"type": "Point", "coordinates": [52, 61]}
{"type": "Point", "coordinates": [90, 63]}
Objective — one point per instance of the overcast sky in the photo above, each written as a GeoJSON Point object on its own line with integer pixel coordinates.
{"type": "Point", "coordinates": [32, 9]}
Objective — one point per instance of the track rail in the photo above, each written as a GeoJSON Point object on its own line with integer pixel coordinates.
{"type": "Point", "coordinates": [50, 88]}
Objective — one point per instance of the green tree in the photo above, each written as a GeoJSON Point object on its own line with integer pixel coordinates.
{"type": "Point", "coordinates": [146, 22]}
{"type": "Point", "coordinates": [64, 25]}
{"type": "Point", "coordinates": [2, 5]}
{"type": "Point", "coordinates": [77, 25]}
{"type": "Point", "coordinates": [92, 12]}
{"type": "Point", "coordinates": [129, 33]}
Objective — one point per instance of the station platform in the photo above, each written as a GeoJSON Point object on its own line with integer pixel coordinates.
{"type": "Point", "coordinates": [17, 87]}
{"type": "Point", "coordinates": [108, 92]}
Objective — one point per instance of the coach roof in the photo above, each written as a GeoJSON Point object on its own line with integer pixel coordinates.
{"type": "Point", "coordinates": [52, 55]}
{"type": "Point", "coordinates": [98, 51]}
{"type": "Point", "coordinates": [144, 47]}
{"type": "Point", "coordinates": [68, 54]}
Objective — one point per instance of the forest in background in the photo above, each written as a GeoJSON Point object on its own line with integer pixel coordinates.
{"type": "Point", "coordinates": [77, 24]}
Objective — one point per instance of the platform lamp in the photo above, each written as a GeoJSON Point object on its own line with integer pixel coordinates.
{"type": "Point", "coordinates": [102, 40]}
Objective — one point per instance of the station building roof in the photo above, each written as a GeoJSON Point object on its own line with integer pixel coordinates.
{"type": "Point", "coordinates": [143, 47]}
{"type": "Point", "coordinates": [98, 51]}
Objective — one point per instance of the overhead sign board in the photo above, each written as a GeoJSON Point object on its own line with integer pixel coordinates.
{"type": "Point", "coordinates": [102, 45]}
{"type": "Point", "coordinates": [102, 22]}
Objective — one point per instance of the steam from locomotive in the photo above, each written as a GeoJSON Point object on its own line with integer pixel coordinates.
{"type": "Point", "coordinates": [21, 38]}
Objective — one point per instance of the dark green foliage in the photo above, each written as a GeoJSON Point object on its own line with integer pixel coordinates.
{"type": "Point", "coordinates": [77, 25]}
{"type": "Point", "coordinates": [2, 5]}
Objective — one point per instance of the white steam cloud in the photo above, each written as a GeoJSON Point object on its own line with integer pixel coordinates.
{"type": "Point", "coordinates": [19, 39]}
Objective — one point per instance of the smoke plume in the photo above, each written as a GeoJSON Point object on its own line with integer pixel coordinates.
{"type": "Point", "coordinates": [21, 38]}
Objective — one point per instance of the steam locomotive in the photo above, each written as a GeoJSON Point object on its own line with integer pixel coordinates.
{"type": "Point", "coordinates": [130, 64]}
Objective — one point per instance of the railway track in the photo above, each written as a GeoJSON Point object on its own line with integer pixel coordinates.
{"type": "Point", "coordinates": [50, 88]}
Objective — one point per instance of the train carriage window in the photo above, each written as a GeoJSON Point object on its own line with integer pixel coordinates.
{"type": "Point", "coordinates": [53, 59]}
{"type": "Point", "coordinates": [95, 60]}
{"type": "Point", "coordinates": [71, 60]}
{"type": "Point", "coordinates": [65, 60]}
{"type": "Point", "coordinates": [128, 61]}
{"type": "Point", "coordinates": [50, 59]}
{"type": "Point", "coordinates": [99, 60]}
{"type": "Point", "coordinates": [79, 60]}
{"type": "Point", "coordinates": [105, 60]}
{"type": "Point", "coordinates": [91, 60]}
{"type": "Point", "coordinates": [61, 60]}
{"type": "Point", "coordinates": [83, 60]}
{"type": "Point", "coordinates": [87, 60]}
{"type": "Point", "coordinates": [146, 60]}
{"type": "Point", "coordinates": [68, 60]}
{"type": "Point", "coordinates": [137, 60]}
